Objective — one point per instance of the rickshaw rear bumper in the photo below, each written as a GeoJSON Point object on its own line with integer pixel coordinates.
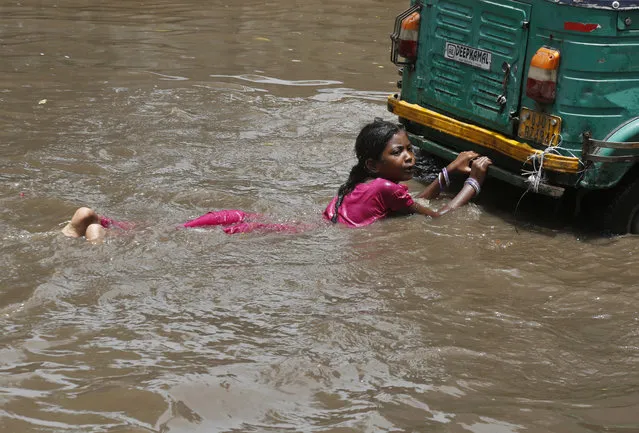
{"type": "Point", "coordinates": [490, 142]}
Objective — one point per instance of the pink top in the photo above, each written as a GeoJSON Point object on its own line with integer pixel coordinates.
{"type": "Point", "coordinates": [369, 202]}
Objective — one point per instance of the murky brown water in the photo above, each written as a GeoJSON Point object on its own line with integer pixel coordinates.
{"type": "Point", "coordinates": [156, 112]}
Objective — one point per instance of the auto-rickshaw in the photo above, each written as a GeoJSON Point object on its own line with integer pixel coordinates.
{"type": "Point", "coordinates": [548, 89]}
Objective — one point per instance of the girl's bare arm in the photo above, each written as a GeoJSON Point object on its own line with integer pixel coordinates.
{"type": "Point", "coordinates": [477, 172]}
{"type": "Point", "coordinates": [461, 164]}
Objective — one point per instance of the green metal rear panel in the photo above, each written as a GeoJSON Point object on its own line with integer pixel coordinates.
{"type": "Point", "coordinates": [468, 91]}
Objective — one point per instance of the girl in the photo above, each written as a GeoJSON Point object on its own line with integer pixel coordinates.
{"type": "Point", "coordinates": [384, 158]}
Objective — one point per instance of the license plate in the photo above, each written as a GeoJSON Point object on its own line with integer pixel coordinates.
{"type": "Point", "coordinates": [539, 127]}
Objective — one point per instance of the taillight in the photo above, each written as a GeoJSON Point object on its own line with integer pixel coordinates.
{"type": "Point", "coordinates": [542, 75]}
{"type": "Point", "coordinates": [408, 35]}
{"type": "Point", "coordinates": [405, 35]}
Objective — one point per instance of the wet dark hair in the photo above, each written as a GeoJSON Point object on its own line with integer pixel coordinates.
{"type": "Point", "coordinates": [370, 144]}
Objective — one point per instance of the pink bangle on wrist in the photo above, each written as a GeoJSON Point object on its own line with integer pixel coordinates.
{"type": "Point", "coordinates": [446, 178]}
{"type": "Point", "coordinates": [473, 183]}
{"type": "Point", "coordinates": [446, 183]}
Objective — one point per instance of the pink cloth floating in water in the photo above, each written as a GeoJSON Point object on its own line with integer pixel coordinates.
{"type": "Point", "coordinates": [108, 223]}
{"type": "Point", "coordinates": [250, 227]}
{"type": "Point", "coordinates": [235, 222]}
{"type": "Point", "coordinates": [217, 218]}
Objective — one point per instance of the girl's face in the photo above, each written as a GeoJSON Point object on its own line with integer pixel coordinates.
{"type": "Point", "coordinates": [397, 160]}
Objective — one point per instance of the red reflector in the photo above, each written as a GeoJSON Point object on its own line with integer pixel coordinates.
{"type": "Point", "coordinates": [541, 91]}
{"type": "Point", "coordinates": [581, 27]}
{"type": "Point", "coordinates": [407, 49]}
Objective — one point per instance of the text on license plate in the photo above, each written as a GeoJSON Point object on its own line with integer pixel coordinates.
{"type": "Point", "coordinates": [541, 128]}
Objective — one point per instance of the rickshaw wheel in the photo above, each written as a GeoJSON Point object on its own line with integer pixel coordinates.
{"type": "Point", "coordinates": [622, 213]}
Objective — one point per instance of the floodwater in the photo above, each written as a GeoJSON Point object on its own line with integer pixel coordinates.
{"type": "Point", "coordinates": [487, 320]}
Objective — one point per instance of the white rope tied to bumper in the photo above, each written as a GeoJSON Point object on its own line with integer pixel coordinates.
{"type": "Point", "coordinates": [535, 176]}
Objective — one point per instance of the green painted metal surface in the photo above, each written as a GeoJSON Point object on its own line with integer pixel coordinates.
{"type": "Point", "coordinates": [472, 91]}
{"type": "Point", "coordinates": [598, 77]}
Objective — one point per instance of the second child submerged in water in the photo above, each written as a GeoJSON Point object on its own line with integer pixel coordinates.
{"type": "Point", "coordinates": [384, 158]}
